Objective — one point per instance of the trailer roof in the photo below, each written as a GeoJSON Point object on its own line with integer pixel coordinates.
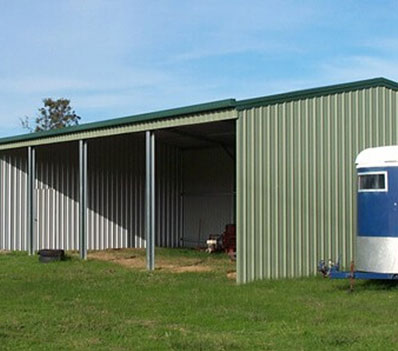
{"type": "Point", "coordinates": [203, 108]}
{"type": "Point", "coordinates": [382, 156]}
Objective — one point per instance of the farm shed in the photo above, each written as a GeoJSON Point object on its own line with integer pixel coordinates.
{"type": "Point", "coordinates": [280, 166]}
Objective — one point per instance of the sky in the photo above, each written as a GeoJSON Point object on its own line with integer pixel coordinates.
{"type": "Point", "coordinates": [116, 58]}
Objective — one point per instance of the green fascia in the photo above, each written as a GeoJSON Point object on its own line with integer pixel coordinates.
{"type": "Point", "coordinates": [116, 122]}
{"type": "Point", "coordinates": [315, 92]}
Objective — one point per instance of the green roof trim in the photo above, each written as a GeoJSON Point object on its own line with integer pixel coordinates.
{"type": "Point", "coordinates": [114, 122]}
{"type": "Point", "coordinates": [206, 107]}
{"type": "Point", "coordinates": [309, 93]}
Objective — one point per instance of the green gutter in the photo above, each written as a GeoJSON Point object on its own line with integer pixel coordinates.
{"type": "Point", "coordinates": [309, 93]}
{"type": "Point", "coordinates": [115, 122]}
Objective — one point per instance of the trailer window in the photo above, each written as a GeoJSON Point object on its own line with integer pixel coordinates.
{"type": "Point", "coordinates": [372, 181]}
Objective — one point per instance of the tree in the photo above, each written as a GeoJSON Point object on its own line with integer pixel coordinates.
{"type": "Point", "coordinates": [54, 114]}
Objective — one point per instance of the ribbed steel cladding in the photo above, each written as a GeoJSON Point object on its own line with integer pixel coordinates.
{"type": "Point", "coordinates": [115, 195]}
{"type": "Point", "coordinates": [297, 180]}
{"type": "Point", "coordinates": [13, 219]}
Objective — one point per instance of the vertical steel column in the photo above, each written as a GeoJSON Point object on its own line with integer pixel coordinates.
{"type": "Point", "coordinates": [83, 199]}
{"type": "Point", "coordinates": [31, 201]}
{"type": "Point", "coordinates": [150, 200]}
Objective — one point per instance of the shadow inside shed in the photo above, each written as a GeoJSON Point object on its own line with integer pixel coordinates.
{"type": "Point", "coordinates": [194, 189]}
{"type": "Point", "coordinates": [207, 154]}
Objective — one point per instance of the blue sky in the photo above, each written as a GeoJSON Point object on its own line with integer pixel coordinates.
{"type": "Point", "coordinates": [119, 57]}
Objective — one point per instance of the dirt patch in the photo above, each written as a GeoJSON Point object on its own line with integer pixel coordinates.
{"type": "Point", "coordinates": [133, 258]}
{"type": "Point", "coordinates": [4, 252]}
{"type": "Point", "coordinates": [192, 269]}
{"type": "Point", "coordinates": [132, 261]}
{"type": "Point", "coordinates": [184, 269]}
{"type": "Point", "coordinates": [231, 275]}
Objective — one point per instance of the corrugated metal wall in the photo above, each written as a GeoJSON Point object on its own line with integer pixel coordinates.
{"type": "Point", "coordinates": [208, 178]}
{"type": "Point", "coordinates": [296, 180]}
{"type": "Point", "coordinates": [57, 197]}
{"type": "Point", "coordinates": [116, 180]}
{"type": "Point", "coordinates": [116, 193]}
{"type": "Point", "coordinates": [13, 211]}
{"type": "Point", "coordinates": [116, 176]}
{"type": "Point", "coordinates": [168, 196]}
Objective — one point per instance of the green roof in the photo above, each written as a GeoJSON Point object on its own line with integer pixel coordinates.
{"type": "Point", "coordinates": [206, 107]}
{"type": "Point", "coordinates": [114, 122]}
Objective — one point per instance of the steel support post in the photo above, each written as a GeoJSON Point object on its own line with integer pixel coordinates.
{"type": "Point", "coordinates": [83, 199]}
{"type": "Point", "coordinates": [150, 200]}
{"type": "Point", "coordinates": [31, 201]}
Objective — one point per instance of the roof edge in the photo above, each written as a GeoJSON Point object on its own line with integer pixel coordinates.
{"type": "Point", "coordinates": [314, 92]}
{"type": "Point", "coordinates": [116, 122]}
{"type": "Point", "coordinates": [206, 107]}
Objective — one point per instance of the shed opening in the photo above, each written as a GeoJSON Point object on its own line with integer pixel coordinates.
{"type": "Point", "coordinates": [207, 176]}
{"type": "Point", "coordinates": [194, 186]}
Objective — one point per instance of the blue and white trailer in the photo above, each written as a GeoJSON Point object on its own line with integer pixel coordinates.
{"type": "Point", "coordinates": [377, 200]}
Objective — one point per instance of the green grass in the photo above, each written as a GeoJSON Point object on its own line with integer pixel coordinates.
{"type": "Point", "coordinates": [94, 305]}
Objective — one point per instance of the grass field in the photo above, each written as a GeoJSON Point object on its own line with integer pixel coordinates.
{"type": "Point", "coordinates": [108, 305]}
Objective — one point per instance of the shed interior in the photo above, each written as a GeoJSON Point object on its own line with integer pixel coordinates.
{"type": "Point", "coordinates": [207, 154]}
{"type": "Point", "coordinates": [194, 196]}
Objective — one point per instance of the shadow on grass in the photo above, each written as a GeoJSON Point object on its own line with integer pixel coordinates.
{"type": "Point", "coordinates": [380, 284]}
{"type": "Point", "coordinates": [369, 285]}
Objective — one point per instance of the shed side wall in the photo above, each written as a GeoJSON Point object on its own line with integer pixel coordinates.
{"type": "Point", "coordinates": [296, 179]}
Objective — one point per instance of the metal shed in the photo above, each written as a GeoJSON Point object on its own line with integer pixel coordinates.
{"type": "Point", "coordinates": [281, 166]}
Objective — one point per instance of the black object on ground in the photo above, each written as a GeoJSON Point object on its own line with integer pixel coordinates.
{"type": "Point", "coordinates": [46, 256]}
